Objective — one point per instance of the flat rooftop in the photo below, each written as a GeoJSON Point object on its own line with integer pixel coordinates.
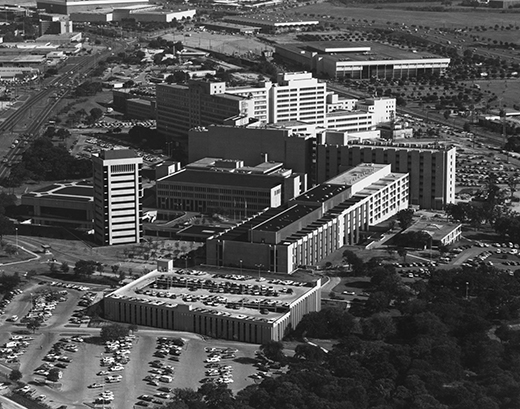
{"type": "Point", "coordinates": [436, 228]}
{"type": "Point", "coordinates": [118, 154]}
{"type": "Point", "coordinates": [285, 218]}
{"type": "Point", "coordinates": [321, 193]}
{"type": "Point", "coordinates": [269, 19]}
{"type": "Point", "coordinates": [232, 295]}
{"type": "Point", "coordinates": [212, 177]}
{"type": "Point", "coordinates": [354, 175]}
{"type": "Point", "coordinates": [358, 51]}
{"type": "Point", "coordinates": [81, 191]}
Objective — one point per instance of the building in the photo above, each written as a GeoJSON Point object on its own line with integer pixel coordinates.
{"type": "Point", "coordinates": [232, 307]}
{"type": "Point", "coordinates": [118, 193]}
{"type": "Point", "coordinates": [286, 143]}
{"type": "Point", "coordinates": [315, 224]}
{"type": "Point", "coordinates": [200, 103]}
{"type": "Point", "coordinates": [271, 23]}
{"type": "Point", "coordinates": [54, 24]}
{"type": "Point", "coordinates": [74, 6]}
{"type": "Point", "coordinates": [227, 186]}
{"type": "Point", "coordinates": [441, 233]}
{"type": "Point", "coordinates": [340, 59]}
{"type": "Point", "coordinates": [298, 97]}
{"type": "Point", "coordinates": [231, 28]}
{"type": "Point", "coordinates": [68, 204]}
{"type": "Point", "coordinates": [295, 96]}
{"type": "Point", "coordinates": [504, 4]}
{"type": "Point", "coordinates": [431, 167]}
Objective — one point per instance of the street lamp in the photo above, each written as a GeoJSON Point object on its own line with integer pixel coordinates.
{"type": "Point", "coordinates": [467, 290]}
{"type": "Point", "coordinates": [259, 267]}
{"type": "Point", "coordinates": [16, 236]}
{"type": "Point", "coordinates": [240, 267]}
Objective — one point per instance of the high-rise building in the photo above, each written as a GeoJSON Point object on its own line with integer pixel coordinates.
{"type": "Point", "coordinates": [200, 103]}
{"type": "Point", "coordinates": [117, 197]}
{"type": "Point", "coordinates": [295, 97]}
{"type": "Point", "coordinates": [323, 154]}
{"type": "Point", "coordinates": [431, 167]}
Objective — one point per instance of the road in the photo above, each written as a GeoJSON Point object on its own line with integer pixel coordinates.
{"type": "Point", "coordinates": [33, 112]}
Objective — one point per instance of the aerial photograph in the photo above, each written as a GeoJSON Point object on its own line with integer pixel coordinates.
{"type": "Point", "coordinates": [260, 204]}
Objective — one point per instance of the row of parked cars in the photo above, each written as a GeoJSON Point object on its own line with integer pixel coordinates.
{"type": "Point", "coordinates": [14, 348]}
{"type": "Point", "coordinates": [7, 299]}
{"type": "Point", "coordinates": [217, 371]}
{"type": "Point", "coordinates": [117, 355]}
{"type": "Point", "coordinates": [161, 371]}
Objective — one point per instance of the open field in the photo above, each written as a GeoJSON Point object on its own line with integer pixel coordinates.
{"type": "Point", "coordinates": [223, 43]}
{"type": "Point", "coordinates": [507, 91]}
{"type": "Point", "coordinates": [433, 19]}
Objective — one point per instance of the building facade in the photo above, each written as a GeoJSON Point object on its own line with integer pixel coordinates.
{"type": "Point", "coordinates": [118, 193]}
{"type": "Point", "coordinates": [227, 186]}
{"type": "Point", "coordinates": [431, 168]}
{"type": "Point", "coordinates": [361, 60]}
{"type": "Point", "coordinates": [242, 311]}
{"type": "Point", "coordinates": [315, 224]}
{"type": "Point", "coordinates": [200, 103]}
{"type": "Point", "coordinates": [295, 97]}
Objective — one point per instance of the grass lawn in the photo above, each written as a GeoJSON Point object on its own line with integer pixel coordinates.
{"type": "Point", "coordinates": [506, 90]}
{"type": "Point", "coordinates": [425, 18]}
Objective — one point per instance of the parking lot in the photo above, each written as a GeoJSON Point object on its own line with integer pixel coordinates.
{"type": "Point", "coordinates": [120, 373]}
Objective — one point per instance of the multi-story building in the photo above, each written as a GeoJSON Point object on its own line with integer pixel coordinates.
{"type": "Point", "coordinates": [289, 143]}
{"type": "Point", "coordinates": [323, 154]}
{"type": "Point", "coordinates": [214, 307]}
{"type": "Point", "coordinates": [431, 167]}
{"type": "Point", "coordinates": [118, 194]}
{"type": "Point", "coordinates": [200, 103]}
{"type": "Point", "coordinates": [294, 97]}
{"type": "Point", "coordinates": [298, 97]}
{"type": "Point", "coordinates": [315, 224]}
{"type": "Point", "coordinates": [227, 186]}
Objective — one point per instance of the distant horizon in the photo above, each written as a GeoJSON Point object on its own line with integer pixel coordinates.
{"type": "Point", "coordinates": [18, 2]}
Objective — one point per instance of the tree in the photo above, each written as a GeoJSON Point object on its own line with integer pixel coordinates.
{"type": "Point", "coordinates": [467, 127]}
{"type": "Point", "coordinates": [6, 226]}
{"type": "Point", "coordinates": [273, 350]}
{"type": "Point", "coordinates": [403, 253]}
{"type": "Point", "coordinates": [10, 249]}
{"type": "Point", "coordinates": [309, 352]}
{"type": "Point", "coordinates": [85, 267]}
{"type": "Point", "coordinates": [113, 332]}
{"type": "Point", "coordinates": [447, 114]}
{"type": "Point", "coordinates": [178, 46]}
{"type": "Point", "coordinates": [54, 375]}
{"type": "Point", "coordinates": [15, 375]}
{"type": "Point", "coordinates": [96, 113]}
{"type": "Point", "coordinates": [405, 218]}
{"type": "Point", "coordinates": [33, 325]}
{"type": "Point", "coordinates": [64, 267]}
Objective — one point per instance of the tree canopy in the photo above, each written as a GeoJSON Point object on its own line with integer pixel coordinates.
{"type": "Point", "coordinates": [437, 350]}
{"type": "Point", "coordinates": [113, 332]}
{"type": "Point", "coordinates": [45, 161]}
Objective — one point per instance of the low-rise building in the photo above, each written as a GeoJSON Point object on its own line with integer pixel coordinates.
{"type": "Point", "coordinates": [441, 233]}
{"type": "Point", "coordinates": [62, 204]}
{"type": "Point", "coordinates": [228, 306]}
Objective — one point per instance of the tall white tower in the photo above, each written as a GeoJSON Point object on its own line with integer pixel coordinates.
{"type": "Point", "coordinates": [117, 197]}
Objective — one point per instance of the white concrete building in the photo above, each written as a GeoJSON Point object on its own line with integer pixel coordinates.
{"type": "Point", "coordinates": [118, 193]}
